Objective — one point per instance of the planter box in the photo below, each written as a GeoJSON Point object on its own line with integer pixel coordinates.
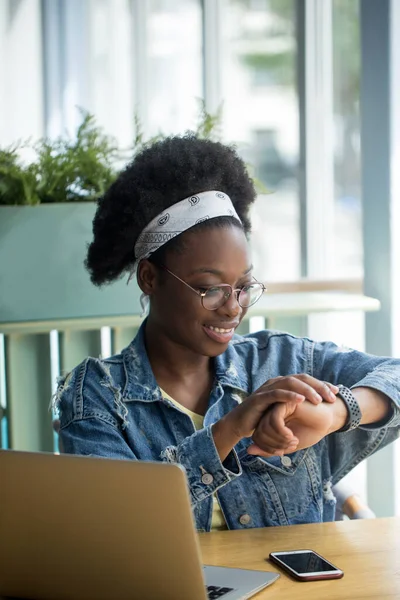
{"type": "Point", "coordinates": [42, 276]}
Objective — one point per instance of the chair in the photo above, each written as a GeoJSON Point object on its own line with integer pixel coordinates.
{"type": "Point", "coordinates": [349, 504]}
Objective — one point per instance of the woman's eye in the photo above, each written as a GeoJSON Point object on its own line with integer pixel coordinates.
{"type": "Point", "coordinates": [210, 291]}
{"type": "Point", "coordinates": [245, 287]}
{"type": "Point", "coordinates": [205, 288]}
{"type": "Point", "coordinates": [214, 290]}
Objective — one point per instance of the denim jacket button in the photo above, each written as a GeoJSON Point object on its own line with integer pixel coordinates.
{"type": "Point", "coordinates": [207, 479]}
{"type": "Point", "coordinates": [245, 519]}
{"type": "Point", "coordinates": [286, 461]}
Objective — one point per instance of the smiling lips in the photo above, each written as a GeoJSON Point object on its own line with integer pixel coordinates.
{"type": "Point", "coordinates": [220, 329]}
{"type": "Point", "coordinates": [220, 334]}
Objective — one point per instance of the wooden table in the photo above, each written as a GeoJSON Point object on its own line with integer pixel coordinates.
{"type": "Point", "coordinates": [368, 551]}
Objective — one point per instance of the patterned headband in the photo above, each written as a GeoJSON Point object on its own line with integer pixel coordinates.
{"type": "Point", "coordinates": [182, 216]}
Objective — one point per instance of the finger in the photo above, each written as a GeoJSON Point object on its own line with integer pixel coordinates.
{"type": "Point", "coordinates": [294, 383]}
{"type": "Point", "coordinates": [321, 388]}
{"type": "Point", "coordinates": [316, 390]}
{"type": "Point", "coordinates": [267, 398]}
{"type": "Point", "coordinates": [265, 436]}
{"type": "Point", "coordinates": [300, 386]}
{"type": "Point", "coordinates": [271, 444]}
{"type": "Point", "coordinates": [293, 445]}
{"type": "Point", "coordinates": [278, 425]}
{"type": "Point", "coordinates": [333, 388]}
{"type": "Point", "coordinates": [272, 425]}
{"type": "Point", "coordinates": [326, 389]}
{"type": "Point", "coordinates": [271, 430]}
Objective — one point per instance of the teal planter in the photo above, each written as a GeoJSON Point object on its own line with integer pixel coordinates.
{"type": "Point", "coordinates": [42, 276]}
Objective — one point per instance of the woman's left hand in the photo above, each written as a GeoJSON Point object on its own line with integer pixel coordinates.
{"type": "Point", "coordinates": [308, 422]}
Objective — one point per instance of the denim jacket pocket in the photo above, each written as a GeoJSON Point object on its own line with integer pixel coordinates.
{"type": "Point", "coordinates": [292, 482]}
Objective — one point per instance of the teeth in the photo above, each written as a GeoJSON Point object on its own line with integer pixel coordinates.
{"type": "Point", "coordinates": [220, 330]}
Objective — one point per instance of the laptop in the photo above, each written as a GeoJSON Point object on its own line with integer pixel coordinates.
{"type": "Point", "coordinates": [86, 528]}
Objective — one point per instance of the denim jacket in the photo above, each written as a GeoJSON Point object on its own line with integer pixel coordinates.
{"type": "Point", "coordinates": [114, 408]}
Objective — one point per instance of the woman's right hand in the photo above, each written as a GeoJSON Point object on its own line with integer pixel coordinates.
{"type": "Point", "coordinates": [244, 419]}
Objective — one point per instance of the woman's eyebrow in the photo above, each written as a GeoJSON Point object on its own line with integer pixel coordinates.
{"type": "Point", "coordinates": [216, 271]}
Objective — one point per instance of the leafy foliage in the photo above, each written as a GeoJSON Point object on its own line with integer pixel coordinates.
{"type": "Point", "coordinates": [64, 170]}
{"type": "Point", "coordinates": [17, 182]}
{"type": "Point", "coordinates": [208, 125]}
{"type": "Point", "coordinates": [78, 169]}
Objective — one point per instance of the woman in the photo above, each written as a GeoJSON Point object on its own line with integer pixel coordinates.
{"type": "Point", "coordinates": [259, 422]}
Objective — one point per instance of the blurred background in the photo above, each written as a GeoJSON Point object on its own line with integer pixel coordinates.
{"type": "Point", "coordinates": [157, 58]}
{"type": "Point", "coordinates": [286, 78]}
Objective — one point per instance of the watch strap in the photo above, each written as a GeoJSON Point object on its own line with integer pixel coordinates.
{"type": "Point", "coordinates": [353, 409]}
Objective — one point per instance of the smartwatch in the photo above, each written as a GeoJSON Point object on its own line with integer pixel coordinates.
{"type": "Point", "coordinates": [353, 409]}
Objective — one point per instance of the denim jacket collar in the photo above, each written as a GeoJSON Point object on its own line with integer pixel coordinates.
{"type": "Point", "coordinates": [142, 385]}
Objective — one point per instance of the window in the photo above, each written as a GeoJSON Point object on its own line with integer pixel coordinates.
{"type": "Point", "coordinates": [348, 258]}
{"type": "Point", "coordinates": [21, 96]}
{"type": "Point", "coordinates": [173, 65]}
{"type": "Point", "coordinates": [110, 67]}
{"type": "Point", "coordinates": [261, 115]}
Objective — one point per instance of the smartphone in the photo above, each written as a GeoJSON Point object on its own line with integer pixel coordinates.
{"type": "Point", "coordinates": [306, 565]}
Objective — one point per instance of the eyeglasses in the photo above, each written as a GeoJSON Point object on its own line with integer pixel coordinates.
{"type": "Point", "coordinates": [215, 296]}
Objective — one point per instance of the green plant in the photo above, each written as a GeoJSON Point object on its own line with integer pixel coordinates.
{"type": "Point", "coordinates": [63, 170]}
{"type": "Point", "coordinates": [208, 125]}
{"type": "Point", "coordinates": [81, 168]}
{"type": "Point", "coordinates": [17, 182]}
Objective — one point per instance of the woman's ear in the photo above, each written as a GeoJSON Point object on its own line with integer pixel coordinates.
{"type": "Point", "coordinates": [147, 277]}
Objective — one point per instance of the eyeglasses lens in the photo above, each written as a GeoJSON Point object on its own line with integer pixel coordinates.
{"type": "Point", "coordinates": [216, 296]}
{"type": "Point", "coordinates": [250, 294]}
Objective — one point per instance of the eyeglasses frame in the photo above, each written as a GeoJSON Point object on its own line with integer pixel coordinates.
{"type": "Point", "coordinates": [203, 294]}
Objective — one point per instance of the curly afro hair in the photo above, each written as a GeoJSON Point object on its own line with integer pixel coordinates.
{"type": "Point", "coordinates": [161, 175]}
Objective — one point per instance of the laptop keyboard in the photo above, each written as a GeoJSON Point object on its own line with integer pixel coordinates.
{"type": "Point", "coordinates": [214, 591]}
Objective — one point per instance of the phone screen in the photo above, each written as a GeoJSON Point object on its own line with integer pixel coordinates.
{"type": "Point", "coordinates": [306, 562]}
{"type": "Point", "coordinates": [306, 565]}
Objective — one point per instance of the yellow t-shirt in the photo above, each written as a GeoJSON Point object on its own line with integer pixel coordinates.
{"type": "Point", "coordinates": [218, 521]}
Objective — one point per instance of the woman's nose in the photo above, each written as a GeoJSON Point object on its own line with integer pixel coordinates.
{"type": "Point", "coordinates": [232, 307]}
